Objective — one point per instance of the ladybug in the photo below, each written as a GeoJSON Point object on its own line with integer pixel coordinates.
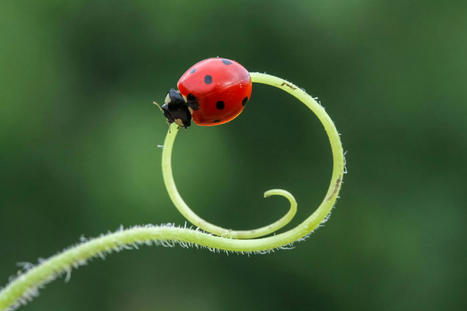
{"type": "Point", "coordinates": [212, 92]}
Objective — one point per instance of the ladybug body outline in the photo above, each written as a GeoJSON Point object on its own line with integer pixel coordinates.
{"type": "Point", "coordinates": [214, 92]}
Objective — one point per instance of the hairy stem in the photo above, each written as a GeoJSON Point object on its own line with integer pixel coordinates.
{"type": "Point", "coordinates": [25, 286]}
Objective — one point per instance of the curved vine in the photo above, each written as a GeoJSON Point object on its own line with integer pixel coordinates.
{"type": "Point", "coordinates": [186, 211]}
{"type": "Point", "coordinates": [25, 285]}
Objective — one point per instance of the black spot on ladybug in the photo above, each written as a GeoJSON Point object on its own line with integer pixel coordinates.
{"type": "Point", "coordinates": [220, 105]}
{"type": "Point", "coordinates": [207, 79]}
{"type": "Point", "coordinates": [244, 101]}
{"type": "Point", "coordinates": [215, 121]}
{"type": "Point", "coordinates": [227, 62]}
{"type": "Point", "coordinates": [193, 70]}
{"type": "Point", "coordinates": [191, 97]}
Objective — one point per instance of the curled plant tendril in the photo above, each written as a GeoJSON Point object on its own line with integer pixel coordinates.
{"type": "Point", "coordinates": [25, 285]}
{"type": "Point", "coordinates": [247, 236]}
{"type": "Point", "coordinates": [203, 224]}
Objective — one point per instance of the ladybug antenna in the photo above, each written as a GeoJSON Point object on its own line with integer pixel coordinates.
{"type": "Point", "coordinates": [154, 102]}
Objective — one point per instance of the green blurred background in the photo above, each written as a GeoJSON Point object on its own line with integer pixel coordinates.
{"type": "Point", "coordinates": [79, 156]}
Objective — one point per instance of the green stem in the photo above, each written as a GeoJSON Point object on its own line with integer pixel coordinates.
{"type": "Point", "coordinates": [25, 286]}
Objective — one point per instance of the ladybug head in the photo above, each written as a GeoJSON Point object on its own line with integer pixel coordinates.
{"type": "Point", "coordinates": [175, 109]}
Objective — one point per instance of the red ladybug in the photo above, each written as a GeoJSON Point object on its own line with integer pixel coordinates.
{"type": "Point", "coordinates": [212, 92]}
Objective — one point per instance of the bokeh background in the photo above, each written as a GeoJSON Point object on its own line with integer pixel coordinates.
{"type": "Point", "coordinates": [79, 155]}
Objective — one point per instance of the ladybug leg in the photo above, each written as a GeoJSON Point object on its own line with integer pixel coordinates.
{"type": "Point", "coordinates": [192, 102]}
{"type": "Point", "coordinates": [193, 105]}
{"type": "Point", "coordinates": [179, 122]}
{"type": "Point", "coordinates": [185, 121]}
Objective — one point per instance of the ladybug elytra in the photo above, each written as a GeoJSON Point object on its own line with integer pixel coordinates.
{"type": "Point", "coordinates": [212, 92]}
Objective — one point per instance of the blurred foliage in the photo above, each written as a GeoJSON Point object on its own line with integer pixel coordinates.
{"type": "Point", "coordinates": [79, 156]}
